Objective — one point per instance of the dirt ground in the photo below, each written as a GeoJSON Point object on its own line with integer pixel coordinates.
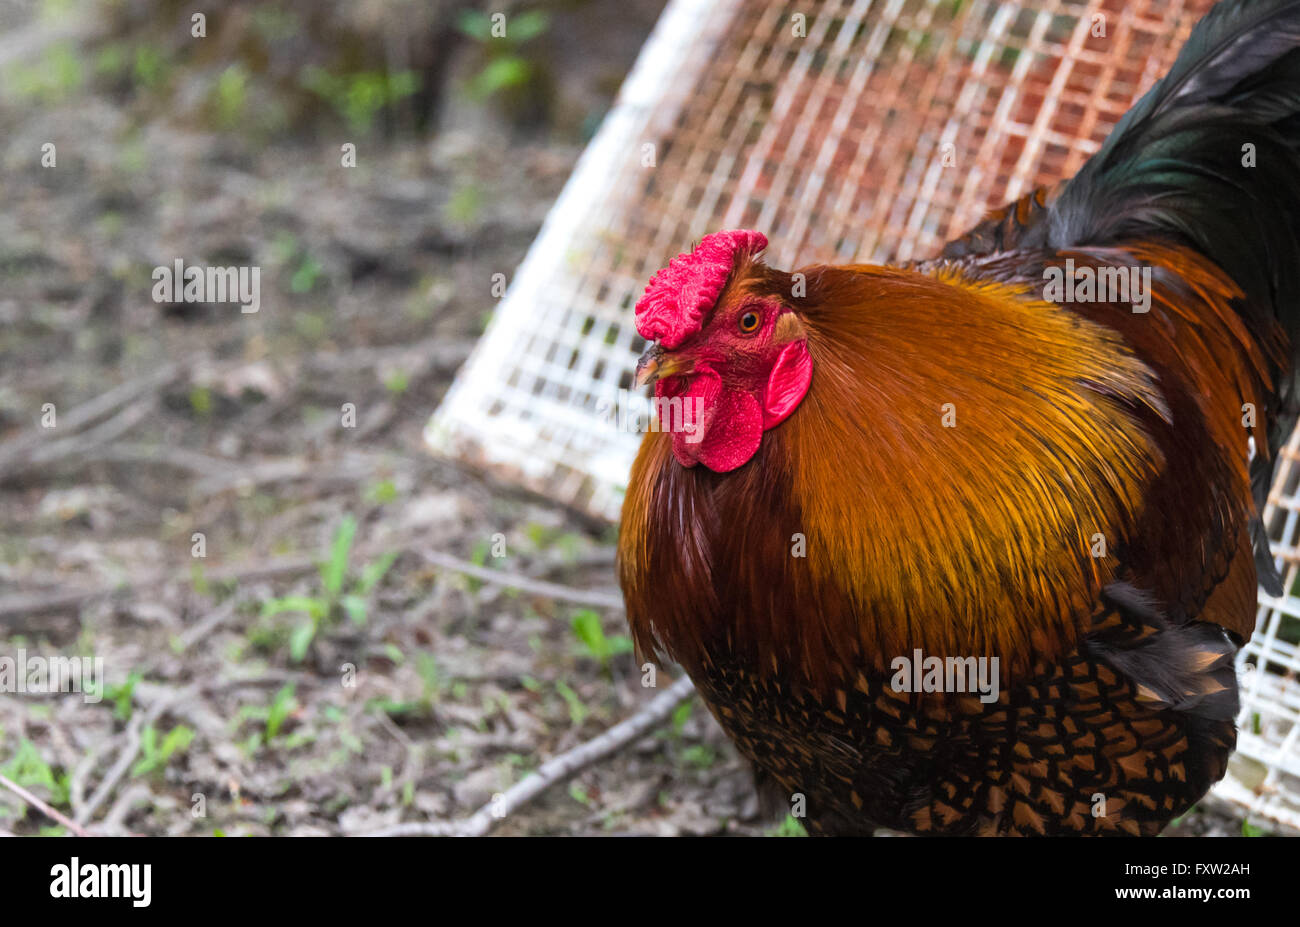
{"type": "Point", "coordinates": [230, 425]}
{"type": "Point", "coordinates": [201, 464]}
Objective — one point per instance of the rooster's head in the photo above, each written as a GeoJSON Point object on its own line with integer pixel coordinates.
{"type": "Point", "coordinates": [728, 344]}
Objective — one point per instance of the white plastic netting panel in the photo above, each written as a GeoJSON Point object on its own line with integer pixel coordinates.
{"type": "Point", "coordinates": [1264, 775]}
{"type": "Point", "coordinates": [844, 130]}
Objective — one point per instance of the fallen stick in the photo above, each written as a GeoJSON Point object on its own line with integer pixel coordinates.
{"type": "Point", "coordinates": [202, 628]}
{"type": "Point", "coordinates": [553, 771]}
{"type": "Point", "coordinates": [24, 604]}
{"type": "Point", "coordinates": [113, 428]}
{"type": "Point", "coordinates": [196, 462]}
{"type": "Point", "coordinates": [114, 821]}
{"type": "Point", "coordinates": [600, 598]}
{"type": "Point", "coordinates": [12, 450]}
{"type": "Point", "coordinates": [270, 472]}
{"type": "Point", "coordinates": [42, 807]}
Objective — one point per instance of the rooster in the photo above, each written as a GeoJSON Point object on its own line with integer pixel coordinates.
{"type": "Point", "coordinates": [967, 547]}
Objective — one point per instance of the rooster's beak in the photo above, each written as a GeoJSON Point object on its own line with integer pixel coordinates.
{"type": "Point", "coordinates": [656, 364]}
{"type": "Point", "coordinates": [647, 368]}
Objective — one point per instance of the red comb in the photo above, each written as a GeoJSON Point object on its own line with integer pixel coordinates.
{"type": "Point", "coordinates": [677, 298]}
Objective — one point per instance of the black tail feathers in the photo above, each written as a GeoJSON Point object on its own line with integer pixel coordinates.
{"type": "Point", "coordinates": [1209, 159]}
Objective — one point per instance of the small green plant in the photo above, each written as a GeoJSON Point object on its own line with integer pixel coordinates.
{"type": "Point", "coordinates": [682, 714]}
{"type": "Point", "coordinates": [465, 205]}
{"type": "Point", "coordinates": [150, 68]}
{"type": "Point", "coordinates": [272, 718]}
{"type": "Point", "coordinates": [1176, 822]}
{"type": "Point", "coordinates": [568, 543]}
{"type": "Point", "coordinates": [28, 768]}
{"type": "Point", "coordinates": [578, 712]}
{"type": "Point", "coordinates": [154, 755]}
{"type": "Point", "coordinates": [701, 756]}
{"type": "Point", "coordinates": [112, 60]}
{"type": "Point", "coordinates": [231, 95]}
{"type": "Point", "coordinates": [431, 680]}
{"type": "Point", "coordinates": [478, 556]}
{"type": "Point", "coordinates": [304, 279]}
{"type": "Point", "coordinates": [359, 98]}
{"type": "Point", "coordinates": [505, 66]}
{"type": "Point", "coordinates": [336, 598]}
{"type": "Point", "coordinates": [121, 696]}
{"type": "Point", "coordinates": [58, 74]}
{"type": "Point", "coordinates": [790, 827]}
{"type": "Point", "coordinates": [537, 534]}
{"type": "Point", "coordinates": [595, 643]}
{"type": "Point", "coordinates": [201, 401]}
{"type": "Point", "coordinates": [283, 705]}
{"type": "Point", "coordinates": [430, 690]}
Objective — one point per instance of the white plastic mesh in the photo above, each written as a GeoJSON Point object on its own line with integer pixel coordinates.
{"type": "Point", "coordinates": [1264, 775]}
{"type": "Point", "coordinates": [842, 129]}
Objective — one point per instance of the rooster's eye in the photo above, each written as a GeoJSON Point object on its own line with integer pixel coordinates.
{"type": "Point", "coordinates": [749, 322]}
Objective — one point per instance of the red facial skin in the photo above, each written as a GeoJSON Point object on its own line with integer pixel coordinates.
{"type": "Point", "coordinates": [735, 384]}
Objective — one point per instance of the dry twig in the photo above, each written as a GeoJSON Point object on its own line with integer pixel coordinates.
{"type": "Point", "coordinates": [15, 451]}
{"type": "Point", "coordinates": [559, 769]}
{"type": "Point", "coordinates": [42, 807]}
{"type": "Point", "coordinates": [599, 598]}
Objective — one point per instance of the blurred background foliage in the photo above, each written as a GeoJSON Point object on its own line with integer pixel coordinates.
{"type": "Point", "coordinates": [370, 67]}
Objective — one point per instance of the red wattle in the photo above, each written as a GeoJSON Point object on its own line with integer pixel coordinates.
{"type": "Point", "coordinates": [734, 433]}
{"type": "Point", "coordinates": [721, 430]}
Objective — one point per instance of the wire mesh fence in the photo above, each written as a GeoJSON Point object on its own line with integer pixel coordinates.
{"type": "Point", "coordinates": [844, 130]}
{"type": "Point", "coordinates": [1264, 775]}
